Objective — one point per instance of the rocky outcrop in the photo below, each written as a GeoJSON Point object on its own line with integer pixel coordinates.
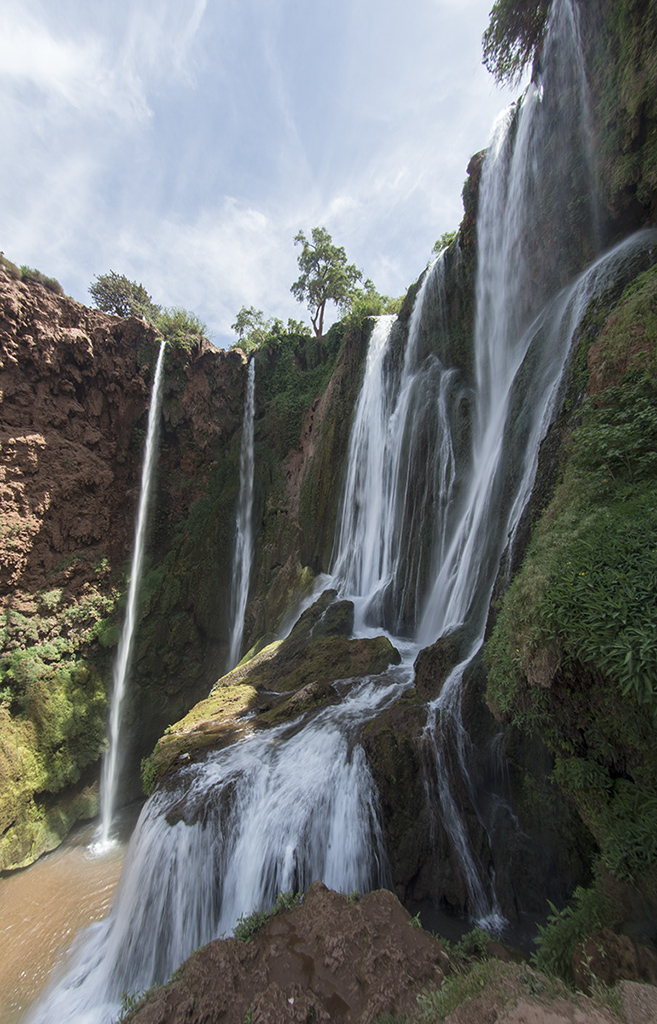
{"type": "Point", "coordinates": [332, 957]}
{"type": "Point", "coordinates": [74, 393]}
{"type": "Point", "coordinates": [313, 667]}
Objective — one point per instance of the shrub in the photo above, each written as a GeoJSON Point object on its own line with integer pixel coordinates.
{"type": "Point", "coordinates": [180, 327]}
{"type": "Point", "coordinates": [33, 276]}
{"type": "Point", "coordinates": [591, 909]}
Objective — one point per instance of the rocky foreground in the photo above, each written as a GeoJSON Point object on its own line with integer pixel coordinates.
{"type": "Point", "coordinates": [334, 957]}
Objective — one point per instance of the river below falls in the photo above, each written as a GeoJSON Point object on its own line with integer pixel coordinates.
{"type": "Point", "coordinates": [42, 907]}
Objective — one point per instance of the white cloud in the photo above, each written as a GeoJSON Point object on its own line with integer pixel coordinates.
{"type": "Point", "coordinates": [184, 143]}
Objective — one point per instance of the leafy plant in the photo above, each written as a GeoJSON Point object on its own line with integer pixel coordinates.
{"type": "Point", "coordinates": [180, 327]}
{"type": "Point", "coordinates": [325, 276]}
{"type": "Point", "coordinates": [250, 924]}
{"type": "Point", "coordinates": [30, 274]}
{"type": "Point", "coordinates": [115, 293]}
{"type": "Point", "coordinates": [513, 36]}
{"type": "Point", "coordinates": [444, 241]}
{"type": "Point", "coordinates": [590, 910]}
{"type": "Point", "coordinates": [436, 1005]}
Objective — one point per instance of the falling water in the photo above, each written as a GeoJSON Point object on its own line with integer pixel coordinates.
{"type": "Point", "coordinates": [400, 474]}
{"type": "Point", "coordinates": [244, 533]}
{"type": "Point", "coordinates": [297, 802]}
{"type": "Point", "coordinates": [531, 181]}
{"type": "Point", "coordinates": [266, 815]}
{"type": "Point", "coordinates": [111, 765]}
{"type": "Point", "coordinates": [533, 396]}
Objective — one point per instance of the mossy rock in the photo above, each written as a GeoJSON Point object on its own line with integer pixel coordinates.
{"type": "Point", "coordinates": [434, 664]}
{"type": "Point", "coordinates": [214, 722]}
{"type": "Point", "coordinates": [305, 665]}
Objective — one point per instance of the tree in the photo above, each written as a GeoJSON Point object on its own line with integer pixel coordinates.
{"type": "Point", "coordinates": [250, 327]}
{"type": "Point", "coordinates": [514, 33]}
{"type": "Point", "coordinates": [253, 330]}
{"type": "Point", "coordinates": [444, 242]}
{"type": "Point", "coordinates": [114, 293]}
{"type": "Point", "coordinates": [325, 274]}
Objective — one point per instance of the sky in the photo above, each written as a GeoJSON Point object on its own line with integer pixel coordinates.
{"type": "Point", "coordinates": [184, 143]}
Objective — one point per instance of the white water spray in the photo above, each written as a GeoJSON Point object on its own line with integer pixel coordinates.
{"type": "Point", "coordinates": [400, 436]}
{"type": "Point", "coordinates": [111, 763]}
{"type": "Point", "coordinates": [243, 526]}
{"type": "Point", "coordinates": [269, 814]}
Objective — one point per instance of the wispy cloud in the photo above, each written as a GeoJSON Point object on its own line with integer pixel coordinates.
{"type": "Point", "coordinates": [184, 142]}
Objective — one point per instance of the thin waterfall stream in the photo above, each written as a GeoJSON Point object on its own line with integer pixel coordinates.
{"type": "Point", "coordinates": [111, 762]}
{"type": "Point", "coordinates": [243, 525]}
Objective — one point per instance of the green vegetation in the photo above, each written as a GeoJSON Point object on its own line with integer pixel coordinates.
{"type": "Point", "coordinates": [444, 241]}
{"type": "Point", "coordinates": [115, 293]}
{"type": "Point", "coordinates": [590, 910]}
{"type": "Point", "coordinates": [250, 924]}
{"type": "Point", "coordinates": [253, 331]}
{"type": "Point", "coordinates": [437, 1004]}
{"type": "Point", "coordinates": [513, 36]}
{"type": "Point", "coordinates": [325, 276]}
{"type": "Point", "coordinates": [30, 275]}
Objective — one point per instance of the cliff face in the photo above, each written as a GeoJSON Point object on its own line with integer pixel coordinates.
{"type": "Point", "coordinates": [75, 392]}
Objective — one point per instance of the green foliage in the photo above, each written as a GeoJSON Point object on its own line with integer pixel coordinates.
{"type": "Point", "coordinates": [33, 276]}
{"type": "Point", "coordinates": [437, 1004]}
{"type": "Point", "coordinates": [250, 327]}
{"type": "Point", "coordinates": [513, 36]}
{"type": "Point", "coordinates": [368, 302]}
{"type": "Point", "coordinates": [114, 293]}
{"type": "Point", "coordinates": [618, 436]}
{"type": "Point", "coordinates": [148, 774]}
{"type": "Point", "coordinates": [603, 602]}
{"type": "Point", "coordinates": [591, 910]}
{"type": "Point", "coordinates": [179, 327]}
{"type": "Point", "coordinates": [249, 925]}
{"type": "Point", "coordinates": [325, 275]}
{"type": "Point", "coordinates": [629, 843]}
{"type": "Point", "coordinates": [253, 331]}
{"type": "Point", "coordinates": [129, 1002]}
{"type": "Point", "coordinates": [444, 241]}
{"type": "Point", "coordinates": [9, 267]}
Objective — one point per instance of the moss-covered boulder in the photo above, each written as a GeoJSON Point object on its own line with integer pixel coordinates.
{"type": "Point", "coordinates": [284, 680]}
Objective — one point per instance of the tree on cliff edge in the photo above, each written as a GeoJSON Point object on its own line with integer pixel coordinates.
{"type": "Point", "coordinates": [325, 274]}
{"type": "Point", "coordinates": [514, 33]}
{"type": "Point", "coordinates": [114, 293]}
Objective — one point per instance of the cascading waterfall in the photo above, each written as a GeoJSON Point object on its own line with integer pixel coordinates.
{"type": "Point", "coordinates": [534, 398]}
{"type": "Point", "coordinates": [268, 814]}
{"type": "Point", "coordinates": [533, 155]}
{"type": "Point", "coordinates": [243, 527]}
{"type": "Point", "coordinates": [400, 435]}
{"type": "Point", "coordinates": [421, 532]}
{"type": "Point", "coordinates": [111, 763]}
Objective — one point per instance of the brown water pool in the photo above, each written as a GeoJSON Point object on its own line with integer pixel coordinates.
{"type": "Point", "coordinates": [42, 908]}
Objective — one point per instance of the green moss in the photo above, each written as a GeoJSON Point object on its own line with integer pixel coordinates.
{"type": "Point", "coordinates": [572, 655]}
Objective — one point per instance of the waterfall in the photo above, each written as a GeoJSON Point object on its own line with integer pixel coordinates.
{"type": "Point", "coordinates": [269, 814]}
{"type": "Point", "coordinates": [400, 435]}
{"type": "Point", "coordinates": [111, 763]}
{"type": "Point", "coordinates": [531, 182]}
{"type": "Point", "coordinates": [421, 531]}
{"type": "Point", "coordinates": [243, 528]}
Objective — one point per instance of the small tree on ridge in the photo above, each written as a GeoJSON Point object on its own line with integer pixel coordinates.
{"type": "Point", "coordinates": [325, 274]}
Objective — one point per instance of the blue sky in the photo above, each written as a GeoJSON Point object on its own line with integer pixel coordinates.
{"type": "Point", "coordinates": [185, 142]}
